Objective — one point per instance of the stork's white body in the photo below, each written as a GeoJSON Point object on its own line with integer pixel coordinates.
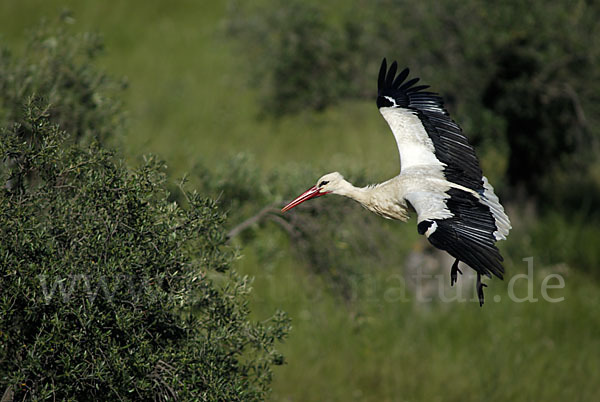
{"type": "Point", "coordinates": [425, 189]}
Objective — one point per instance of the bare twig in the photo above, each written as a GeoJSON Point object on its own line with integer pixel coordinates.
{"type": "Point", "coordinates": [8, 395]}
{"type": "Point", "coordinates": [262, 214]}
{"type": "Point", "coordinates": [579, 113]}
{"type": "Point", "coordinates": [289, 228]}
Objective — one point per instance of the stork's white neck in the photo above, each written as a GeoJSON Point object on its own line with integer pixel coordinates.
{"type": "Point", "coordinates": [360, 194]}
{"type": "Point", "coordinates": [381, 199]}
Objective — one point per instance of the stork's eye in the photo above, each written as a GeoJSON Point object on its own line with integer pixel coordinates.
{"type": "Point", "coordinates": [321, 184]}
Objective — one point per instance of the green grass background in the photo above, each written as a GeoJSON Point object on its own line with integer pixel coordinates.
{"type": "Point", "coordinates": [189, 101]}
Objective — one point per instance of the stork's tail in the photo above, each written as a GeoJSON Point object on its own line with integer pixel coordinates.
{"type": "Point", "coordinates": [490, 199]}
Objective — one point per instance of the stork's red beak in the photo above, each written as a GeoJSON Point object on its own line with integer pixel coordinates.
{"type": "Point", "coordinates": [305, 196]}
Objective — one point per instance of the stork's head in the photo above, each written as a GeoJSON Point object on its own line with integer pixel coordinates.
{"type": "Point", "coordinates": [330, 183]}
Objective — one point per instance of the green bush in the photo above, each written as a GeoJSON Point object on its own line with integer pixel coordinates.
{"type": "Point", "coordinates": [109, 290]}
{"type": "Point", "coordinates": [59, 67]}
{"type": "Point", "coordinates": [106, 285]}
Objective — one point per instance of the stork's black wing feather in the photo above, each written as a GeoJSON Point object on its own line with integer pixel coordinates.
{"type": "Point", "coordinates": [468, 235]}
{"type": "Point", "coordinates": [451, 146]}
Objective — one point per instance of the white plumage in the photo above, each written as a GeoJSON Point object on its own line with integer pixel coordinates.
{"type": "Point", "coordinates": [440, 177]}
{"type": "Point", "coordinates": [414, 145]}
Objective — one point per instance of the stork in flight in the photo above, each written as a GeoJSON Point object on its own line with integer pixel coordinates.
{"type": "Point", "coordinates": [440, 178]}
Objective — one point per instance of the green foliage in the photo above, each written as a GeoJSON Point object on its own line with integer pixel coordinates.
{"type": "Point", "coordinates": [294, 53]}
{"type": "Point", "coordinates": [59, 68]}
{"type": "Point", "coordinates": [373, 348]}
{"type": "Point", "coordinates": [106, 289]}
{"type": "Point", "coordinates": [558, 240]}
{"type": "Point", "coordinates": [109, 290]}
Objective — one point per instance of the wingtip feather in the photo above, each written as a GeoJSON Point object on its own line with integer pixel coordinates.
{"type": "Point", "coordinates": [400, 78]}
{"type": "Point", "coordinates": [382, 72]}
{"type": "Point", "coordinates": [391, 74]}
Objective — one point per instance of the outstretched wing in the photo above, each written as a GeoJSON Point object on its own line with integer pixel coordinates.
{"type": "Point", "coordinates": [424, 132]}
{"type": "Point", "coordinates": [464, 226]}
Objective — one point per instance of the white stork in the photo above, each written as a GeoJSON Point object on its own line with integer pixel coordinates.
{"type": "Point", "coordinates": [440, 178]}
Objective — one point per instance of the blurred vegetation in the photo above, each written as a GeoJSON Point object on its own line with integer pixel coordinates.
{"type": "Point", "coordinates": [233, 92]}
{"type": "Point", "coordinates": [240, 188]}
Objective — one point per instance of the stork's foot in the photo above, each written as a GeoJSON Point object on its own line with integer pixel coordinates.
{"type": "Point", "coordinates": [480, 287]}
{"type": "Point", "coordinates": [454, 273]}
